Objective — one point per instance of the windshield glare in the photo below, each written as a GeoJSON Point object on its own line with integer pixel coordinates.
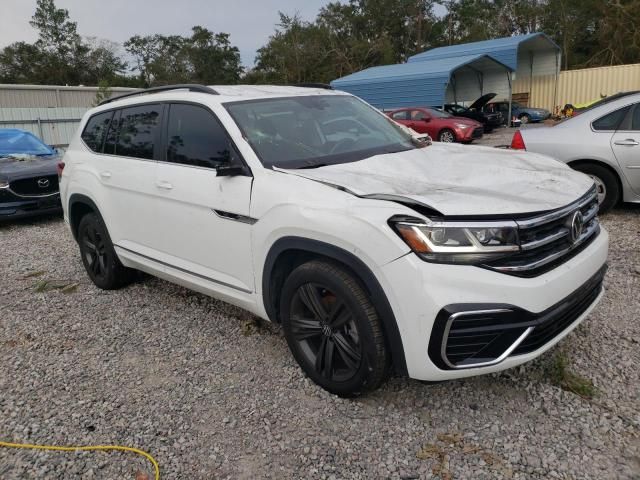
{"type": "Point", "coordinates": [21, 143]}
{"type": "Point", "coordinates": [310, 131]}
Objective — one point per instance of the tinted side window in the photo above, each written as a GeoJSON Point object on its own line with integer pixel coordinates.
{"type": "Point", "coordinates": [96, 130]}
{"type": "Point", "coordinates": [611, 121]}
{"type": "Point", "coordinates": [418, 115]}
{"type": "Point", "coordinates": [635, 119]}
{"type": "Point", "coordinates": [195, 137]}
{"type": "Point", "coordinates": [112, 134]}
{"type": "Point", "coordinates": [401, 115]}
{"type": "Point", "coordinates": [138, 131]}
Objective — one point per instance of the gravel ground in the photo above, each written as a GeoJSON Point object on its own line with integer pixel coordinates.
{"type": "Point", "coordinates": [212, 393]}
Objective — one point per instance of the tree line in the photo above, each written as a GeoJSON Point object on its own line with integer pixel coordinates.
{"type": "Point", "coordinates": [345, 37]}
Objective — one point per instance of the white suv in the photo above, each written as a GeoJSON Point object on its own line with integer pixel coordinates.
{"type": "Point", "coordinates": [308, 207]}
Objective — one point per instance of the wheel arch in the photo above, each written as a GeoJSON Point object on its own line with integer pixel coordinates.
{"type": "Point", "coordinates": [289, 252]}
{"type": "Point", "coordinates": [443, 129]}
{"type": "Point", "coordinates": [79, 206]}
{"type": "Point", "coordinates": [599, 163]}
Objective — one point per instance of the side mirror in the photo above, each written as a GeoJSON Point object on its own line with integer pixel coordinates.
{"type": "Point", "coordinates": [230, 170]}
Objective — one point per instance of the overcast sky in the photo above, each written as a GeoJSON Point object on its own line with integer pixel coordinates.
{"type": "Point", "coordinates": [250, 22]}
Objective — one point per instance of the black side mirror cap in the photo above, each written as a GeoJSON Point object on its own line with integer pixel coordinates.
{"type": "Point", "coordinates": [230, 170]}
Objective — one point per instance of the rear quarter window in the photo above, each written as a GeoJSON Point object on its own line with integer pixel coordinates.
{"type": "Point", "coordinates": [95, 131]}
{"type": "Point", "coordinates": [610, 121]}
{"type": "Point", "coordinates": [138, 132]}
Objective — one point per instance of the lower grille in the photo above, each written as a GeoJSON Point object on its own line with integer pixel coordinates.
{"type": "Point", "coordinates": [467, 336]}
{"type": "Point", "coordinates": [477, 132]}
{"type": "Point", "coordinates": [45, 185]}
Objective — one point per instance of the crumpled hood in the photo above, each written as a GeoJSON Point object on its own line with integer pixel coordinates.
{"type": "Point", "coordinates": [459, 180]}
{"type": "Point", "coordinates": [27, 166]}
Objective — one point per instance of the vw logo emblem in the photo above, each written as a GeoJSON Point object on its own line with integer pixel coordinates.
{"type": "Point", "coordinates": [577, 224]}
{"type": "Point", "coordinates": [43, 183]}
{"type": "Point", "coordinates": [326, 330]}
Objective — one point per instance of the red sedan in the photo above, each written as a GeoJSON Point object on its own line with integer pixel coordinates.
{"type": "Point", "coordinates": [439, 125]}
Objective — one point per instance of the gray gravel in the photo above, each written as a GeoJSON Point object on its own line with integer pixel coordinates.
{"type": "Point", "coordinates": [213, 394]}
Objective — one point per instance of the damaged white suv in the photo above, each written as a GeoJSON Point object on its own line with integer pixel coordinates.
{"type": "Point", "coordinates": [308, 207]}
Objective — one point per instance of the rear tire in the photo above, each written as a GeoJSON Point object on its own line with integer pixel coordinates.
{"type": "Point", "coordinates": [333, 330]}
{"type": "Point", "coordinates": [447, 136]}
{"type": "Point", "coordinates": [606, 184]}
{"type": "Point", "coordinates": [98, 255]}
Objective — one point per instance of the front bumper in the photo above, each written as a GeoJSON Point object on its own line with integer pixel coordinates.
{"type": "Point", "coordinates": [419, 292]}
{"type": "Point", "coordinates": [469, 134]}
{"type": "Point", "coordinates": [15, 208]}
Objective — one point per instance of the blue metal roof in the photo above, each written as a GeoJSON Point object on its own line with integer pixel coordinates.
{"type": "Point", "coordinates": [408, 84]}
{"type": "Point", "coordinates": [505, 50]}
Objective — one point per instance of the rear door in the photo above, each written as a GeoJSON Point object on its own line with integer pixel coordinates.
{"type": "Point", "coordinates": [127, 171]}
{"type": "Point", "coordinates": [625, 144]}
{"type": "Point", "coordinates": [204, 218]}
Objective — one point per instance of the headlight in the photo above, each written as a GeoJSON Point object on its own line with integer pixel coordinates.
{"type": "Point", "coordinates": [467, 243]}
{"type": "Point", "coordinates": [463, 126]}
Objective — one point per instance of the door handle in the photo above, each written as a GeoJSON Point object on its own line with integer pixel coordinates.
{"type": "Point", "coordinates": [105, 174]}
{"type": "Point", "coordinates": [629, 142]}
{"type": "Point", "coordinates": [164, 185]}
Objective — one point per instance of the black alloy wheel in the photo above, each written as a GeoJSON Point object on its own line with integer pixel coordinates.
{"type": "Point", "coordinates": [98, 255]}
{"type": "Point", "coordinates": [332, 329]}
{"type": "Point", "coordinates": [324, 327]}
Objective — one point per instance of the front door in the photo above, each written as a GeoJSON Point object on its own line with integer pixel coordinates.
{"type": "Point", "coordinates": [204, 218]}
{"type": "Point", "coordinates": [625, 144]}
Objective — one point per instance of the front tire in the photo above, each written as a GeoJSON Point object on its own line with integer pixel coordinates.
{"type": "Point", "coordinates": [98, 255]}
{"type": "Point", "coordinates": [447, 136]}
{"type": "Point", "coordinates": [333, 330]}
{"type": "Point", "coordinates": [606, 182]}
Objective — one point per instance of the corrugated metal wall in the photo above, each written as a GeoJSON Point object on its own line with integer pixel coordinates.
{"type": "Point", "coordinates": [578, 86]}
{"type": "Point", "coordinates": [55, 126]}
{"type": "Point", "coordinates": [37, 96]}
{"type": "Point", "coordinates": [51, 112]}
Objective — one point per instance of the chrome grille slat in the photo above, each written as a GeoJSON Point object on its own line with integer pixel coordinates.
{"type": "Point", "coordinates": [548, 259]}
{"type": "Point", "coordinates": [545, 240]}
{"type": "Point", "coordinates": [555, 215]}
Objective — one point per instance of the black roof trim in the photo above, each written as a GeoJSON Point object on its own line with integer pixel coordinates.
{"type": "Point", "coordinates": [325, 86]}
{"type": "Point", "coordinates": [192, 87]}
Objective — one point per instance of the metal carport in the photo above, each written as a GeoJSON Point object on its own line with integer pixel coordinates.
{"type": "Point", "coordinates": [527, 55]}
{"type": "Point", "coordinates": [428, 83]}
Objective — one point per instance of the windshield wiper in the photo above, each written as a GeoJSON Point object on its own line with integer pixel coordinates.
{"type": "Point", "coordinates": [314, 165]}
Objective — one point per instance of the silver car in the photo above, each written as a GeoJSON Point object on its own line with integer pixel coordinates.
{"type": "Point", "coordinates": [602, 141]}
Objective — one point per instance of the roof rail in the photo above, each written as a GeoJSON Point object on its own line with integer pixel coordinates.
{"type": "Point", "coordinates": [326, 86]}
{"type": "Point", "coordinates": [192, 87]}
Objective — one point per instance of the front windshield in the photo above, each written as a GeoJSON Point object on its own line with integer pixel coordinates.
{"type": "Point", "coordinates": [15, 142]}
{"type": "Point", "coordinates": [312, 131]}
{"type": "Point", "coordinates": [457, 109]}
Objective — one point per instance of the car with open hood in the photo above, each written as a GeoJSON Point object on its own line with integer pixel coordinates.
{"type": "Point", "coordinates": [28, 176]}
{"type": "Point", "coordinates": [375, 251]}
{"type": "Point", "coordinates": [489, 120]}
